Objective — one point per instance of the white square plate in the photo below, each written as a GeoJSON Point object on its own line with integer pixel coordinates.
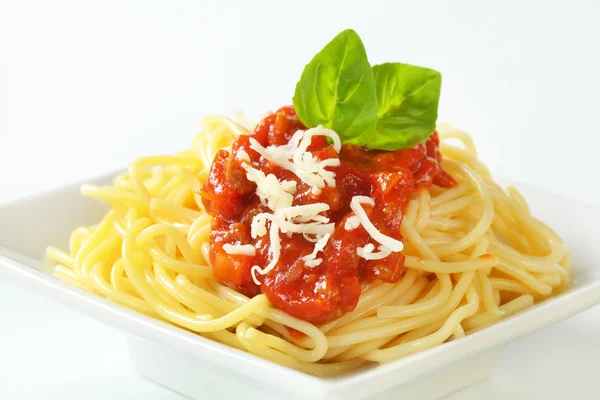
{"type": "Point", "coordinates": [187, 362]}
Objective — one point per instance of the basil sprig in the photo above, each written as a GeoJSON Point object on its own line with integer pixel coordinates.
{"type": "Point", "coordinates": [389, 106]}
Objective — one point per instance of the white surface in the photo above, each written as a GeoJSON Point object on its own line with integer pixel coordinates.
{"type": "Point", "coordinates": [76, 79]}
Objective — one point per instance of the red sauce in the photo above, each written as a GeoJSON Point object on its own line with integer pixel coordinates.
{"type": "Point", "coordinates": [331, 289]}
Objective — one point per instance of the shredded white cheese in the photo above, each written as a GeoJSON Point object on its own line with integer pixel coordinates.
{"type": "Point", "coordinates": [313, 263]}
{"type": "Point", "coordinates": [258, 226]}
{"type": "Point", "coordinates": [368, 254]}
{"type": "Point", "coordinates": [389, 242]}
{"type": "Point", "coordinates": [311, 260]}
{"type": "Point", "coordinates": [275, 252]}
{"type": "Point", "coordinates": [295, 157]}
{"type": "Point", "coordinates": [243, 156]}
{"type": "Point", "coordinates": [244, 249]}
{"type": "Point", "coordinates": [270, 190]}
{"type": "Point", "coordinates": [352, 223]}
{"type": "Point", "coordinates": [304, 219]}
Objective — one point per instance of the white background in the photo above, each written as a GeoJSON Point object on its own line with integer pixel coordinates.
{"type": "Point", "coordinates": [87, 86]}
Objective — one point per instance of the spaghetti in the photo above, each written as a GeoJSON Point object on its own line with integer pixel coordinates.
{"type": "Point", "coordinates": [474, 254]}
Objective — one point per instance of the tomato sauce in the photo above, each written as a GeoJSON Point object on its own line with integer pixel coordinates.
{"type": "Point", "coordinates": [331, 289]}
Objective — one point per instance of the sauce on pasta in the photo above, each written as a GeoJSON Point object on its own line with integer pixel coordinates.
{"type": "Point", "coordinates": [320, 293]}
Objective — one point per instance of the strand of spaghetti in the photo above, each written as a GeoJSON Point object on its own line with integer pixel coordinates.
{"type": "Point", "coordinates": [487, 294]}
{"type": "Point", "coordinates": [164, 190]}
{"type": "Point", "coordinates": [444, 224]}
{"type": "Point", "coordinates": [116, 276]}
{"type": "Point", "coordinates": [370, 299]}
{"type": "Point", "coordinates": [453, 267]}
{"type": "Point", "coordinates": [317, 342]}
{"type": "Point", "coordinates": [437, 240]}
{"type": "Point", "coordinates": [199, 231]}
{"type": "Point", "coordinates": [550, 278]}
{"type": "Point", "coordinates": [407, 324]}
{"type": "Point", "coordinates": [481, 320]}
{"type": "Point", "coordinates": [249, 341]}
{"type": "Point", "coordinates": [525, 277]}
{"type": "Point", "coordinates": [158, 180]}
{"type": "Point", "coordinates": [114, 197]}
{"type": "Point", "coordinates": [563, 274]}
{"type": "Point", "coordinates": [96, 276]}
{"type": "Point", "coordinates": [77, 239]}
{"type": "Point", "coordinates": [486, 218]}
{"type": "Point", "coordinates": [431, 290]}
{"type": "Point", "coordinates": [455, 206]}
{"type": "Point", "coordinates": [447, 132]}
{"type": "Point", "coordinates": [458, 332]}
{"type": "Point", "coordinates": [332, 354]}
{"type": "Point", "coordinates": [506, 232]}
{"type": "Point", "coordinates": [204, 295]}
{"type": "Point", "coordinates": [184, 297]}
{"type": "Point", "coordinates": [420, 308]}
{"type": "Point", "coordinates": [364, 348]}
{"type": "Point", "coordinates": [449, 195]}
{"type": "Point", "coordinates": [225, 337]}
{"type": "Point", "coordinates": [95, 237]}
{"type": "Point", "coordinates": [411, 235]}
{"type": "Point", "coordinates": [67, 275]}
{"type": "Point", "coordinates": [181, 195]}
{"type": "Point", "coordinates": [182, 267]}
{"type": "Point", "coordinates": [194, 185]}
{"type": "Point", "coordinates": [285, 347]}
{"type": "Point", "coordinates": [509, 285]}
{"type": "Point", "coordinates": [431, 340]}
{"type": "Point", "coordinates": [149, 276]}
{"type": "Point", "coordinates": [154, 230]}
{"type": "Point", "coordinates": [60, 256]}
{"type": "Point", "coordinates": [105, 249]}
{"type": "Point", "coordinates": [538, 264]}
{"type": "Point", "coordinates": [497, 297]}
{"type": "Point", "coordinates": [175, 211]}
{"type": "Point", "coordinates": [416, 334]}
{"type": "Point", "coordinates": [374, 321]}
{"type": "Point", "coordinates": [144, 162]}
{"type": "Point", "coordinates": [516, 196]}
{"type": "Point", "coordinates": [411, 210]}
{"type": "Point", "coordinates": [464, 156]}
{"type": "Point", "coordinates": [424, 214]}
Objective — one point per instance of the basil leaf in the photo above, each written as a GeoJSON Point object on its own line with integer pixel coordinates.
{"type": "Point", "coordinates": [408, 103]}
{"type": "Point", "coordinates": [337, 89]}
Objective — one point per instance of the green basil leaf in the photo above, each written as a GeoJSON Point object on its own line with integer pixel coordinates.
{"type": "Point", "coordinates": [408, 103]}
{"type": "Point", "coordinates": [337, 89]}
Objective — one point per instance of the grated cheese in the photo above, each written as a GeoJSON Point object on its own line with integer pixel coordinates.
{"type": "Point", "coordinates": [275, 252]}
{"type": "Point", "coordinates": [368, 254]}
{"type": "Point", "coordinates": [311, 260]}
{"type": "Point", "coordinates": [389, 242]}
{"type": "Point", "coordinates": [295, 157]}
{"type": "Point", "coordinates": [270, 190]}
{"type": "Point", "coordinates": [244, 249]}
{"type": "Point", "coordinates": [304, 219]}
{"type": "Point", "coordinates": [243, 156]}
{"type": "Point", "coordinates": [352, 223]}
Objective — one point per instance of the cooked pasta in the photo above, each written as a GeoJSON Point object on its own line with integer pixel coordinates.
{"type": "Point", "coordinates": [474, 254]}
